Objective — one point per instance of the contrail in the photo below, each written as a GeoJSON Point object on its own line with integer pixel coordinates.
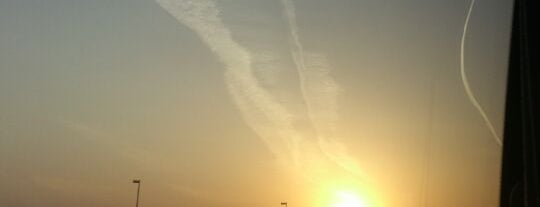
{"type": "Point", "coordinates": [298, 58]}
{"type": "Point", "coordinates": [271, 121]}
{"type": "Point", "coordinates": [319, 92]}
{"type": "Point", "coordinates": [322, 93]}
{"type": "Point", "coordinates": [274, 122]}
{"type": "Point", "coordinates": [297, 51]}
{"type": "Point", "coordinates": [468, 90]}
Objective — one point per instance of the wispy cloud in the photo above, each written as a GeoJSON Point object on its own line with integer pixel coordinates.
{"type": "Point", "coordinates": [84, 129]}
{"type": "Point", "coordinates": [320, 93]}
{"type": "Point", "coordinates": [141, 157]}
{"type": "Point", "coordinates": [271, 118]}
{"type": "Point", "coordinates": [271, 121]}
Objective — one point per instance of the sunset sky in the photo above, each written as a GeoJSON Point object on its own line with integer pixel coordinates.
{"type": "Point", "coordinates": [317, 103]}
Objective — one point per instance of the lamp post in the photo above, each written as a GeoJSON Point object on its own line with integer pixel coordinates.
{"type": "Point", "coordinates": [284, 204]}
{"type": "Point", "coordinates": [138, 181]}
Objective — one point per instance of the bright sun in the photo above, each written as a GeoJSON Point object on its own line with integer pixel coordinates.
{"type": "Point", "coordinates": [348, 199]}
{"type": "Point", "coordinates": [344, 193]}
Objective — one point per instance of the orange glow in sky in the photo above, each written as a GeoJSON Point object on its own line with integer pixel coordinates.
{"type": "Point", "coordinates": [348, 199]}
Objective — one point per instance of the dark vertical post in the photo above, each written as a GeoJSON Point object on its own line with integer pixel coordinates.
{"type": "Point", "coordinates": [520, 185]}
{"type": "Point", "coordinates": [138, 191]}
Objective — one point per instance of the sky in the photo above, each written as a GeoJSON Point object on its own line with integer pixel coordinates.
{"type": "Point", "coordinates": [317, 103]}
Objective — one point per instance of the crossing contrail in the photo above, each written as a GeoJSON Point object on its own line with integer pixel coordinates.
{"type": "Point", "coordinates": [465, 81]}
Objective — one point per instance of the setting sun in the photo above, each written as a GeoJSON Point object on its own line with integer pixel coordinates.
{"type": "Point", "coordinates": [348, 199]}
{"type": "Point", "coordinates": [346, 193]}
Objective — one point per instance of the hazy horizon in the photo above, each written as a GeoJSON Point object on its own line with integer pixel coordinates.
{"type": "Point", "coordinates": [252, 102]}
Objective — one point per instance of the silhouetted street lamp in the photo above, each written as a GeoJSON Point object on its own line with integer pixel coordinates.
{"type": "Point", "coordinates": [284, 204]}
{"type": "Point", "coordinates": [138, 181]}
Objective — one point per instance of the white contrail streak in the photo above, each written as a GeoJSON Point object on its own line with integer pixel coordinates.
{"type": "Point", "coordinates": [297, 51]}
{"type": "Point", "coordinates": [271, 121]}
{"type": "Point", "coordinates": [320, 93]}
{"type": "Point", "coordinates": [468, 90]}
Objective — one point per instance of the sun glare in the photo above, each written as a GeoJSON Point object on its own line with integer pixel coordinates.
{"type": "Point", "coordinates": [344, 192]}
{"type": "Point", "coordinates": [348, 199]}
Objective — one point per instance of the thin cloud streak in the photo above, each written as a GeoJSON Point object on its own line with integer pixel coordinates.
{"type": "Point", "coordinates": [297, 52]}
{"type": "Point", "coordinates": [465, 81]}
{"type": "Point", "coordinates": [272, 120]}
{"type": "Point", "coordinates": [137, 155]}
{"type": "Point", "coordinates": [320, 93]}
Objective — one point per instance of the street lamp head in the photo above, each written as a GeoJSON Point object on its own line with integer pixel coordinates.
{"type": "Point", "coordinates": [138, 181]}
{"type": "Point", "coordinates": [284, 203]}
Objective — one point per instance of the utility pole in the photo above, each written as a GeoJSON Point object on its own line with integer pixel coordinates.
{"type": "Point", "coordinates": [138, 181]}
